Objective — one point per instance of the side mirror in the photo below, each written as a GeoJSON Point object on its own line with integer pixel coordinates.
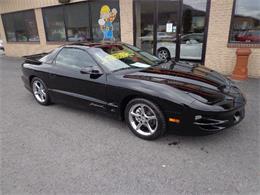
{"type": "Point", "coordinates": [93, 71]}
{"type": "Point", "coordinates": [89, 70]}
{"type": "Point", "coordinates": [86, 70]}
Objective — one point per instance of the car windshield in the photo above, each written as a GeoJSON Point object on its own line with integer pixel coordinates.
{"type": "Point", "coordinates": [118, 57]}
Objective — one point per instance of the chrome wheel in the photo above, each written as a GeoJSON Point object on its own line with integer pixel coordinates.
{"type": "Point", "coordinates": [39, 91]}
{"type": "Point", "coordinates": [163, 54]}
{"type": "Point", "coordinates": [143, 119]}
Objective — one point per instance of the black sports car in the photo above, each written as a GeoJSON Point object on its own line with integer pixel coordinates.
{"type": "Point", "coordinates": [149, 94]}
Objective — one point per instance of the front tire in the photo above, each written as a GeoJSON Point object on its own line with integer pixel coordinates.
{"type": "Point", "coordinates": [40, 91]}
{"type": "Point", "coordinates": [145, 119]}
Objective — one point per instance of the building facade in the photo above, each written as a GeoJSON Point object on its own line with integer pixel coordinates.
{"type": "Point", "coordinates": [205, 31]}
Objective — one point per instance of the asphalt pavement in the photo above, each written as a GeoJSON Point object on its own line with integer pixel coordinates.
{"type": "Point", "coordinates": [60, 149]}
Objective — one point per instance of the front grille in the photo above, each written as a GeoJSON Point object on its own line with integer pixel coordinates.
{"type": "Point", "coordinates": [210, 124]}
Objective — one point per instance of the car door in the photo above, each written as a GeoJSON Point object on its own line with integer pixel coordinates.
{"type": "Point", "coordinates": [71, 78]}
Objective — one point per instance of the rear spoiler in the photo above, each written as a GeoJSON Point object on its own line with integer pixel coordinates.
{"type": "Point", "coordinates": [34, 59]}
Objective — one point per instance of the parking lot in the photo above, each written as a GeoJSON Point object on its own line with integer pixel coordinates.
{"type": "Point", "coordinates": [65, 150]}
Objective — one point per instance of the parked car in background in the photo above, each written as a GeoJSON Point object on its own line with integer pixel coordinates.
{"type": "Point", "coordinates": [160, 36]}
{"type": "Point", "coordinates": [191, 47]}
{"type": "Point", "coordinates": [2, 45]}
{"type": "Point", "coordinates": [149, 94]}
{"type": "Point", "coordinates": [249, 36]}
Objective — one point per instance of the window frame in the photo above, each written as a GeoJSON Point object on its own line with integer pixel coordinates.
{"type": "Point", "coordinates": [12, 14]}
{"type": "Point", "coordinates": [89, 20]}
{"type": "Point", "coordinates": [45, 26]}
{"type": "Point", "coordinates": [238, 44]}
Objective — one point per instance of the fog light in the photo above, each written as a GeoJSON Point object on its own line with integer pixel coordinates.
{"type": "Point", "coordinates": [198, 117]}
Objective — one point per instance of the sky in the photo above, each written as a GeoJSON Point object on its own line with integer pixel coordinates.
{"type": "Point", "coordinates": [248, 8]}
{"type": "Point", "coordinates": [243, 7]}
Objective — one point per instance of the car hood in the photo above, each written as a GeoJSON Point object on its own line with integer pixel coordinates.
{"type": "Point", "coordinates": [197, 81]}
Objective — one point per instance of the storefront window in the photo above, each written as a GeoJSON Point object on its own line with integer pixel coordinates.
{"type": "Point", "coordinates": [144, 21]}
{"type": "Point", "coordinates": [167, 28]}
{"type": "Point", "coordinates": [94, 20]}
{"type": "Point", "coordinates": [54, 24]}
{"type": "Point", "coordinates": [77, 22]}
{"type": "Point", "coordinates": [68, 23]}
{"type": "Point", "coordinates": [245, 25]}
{"type": "Point", "coordinates": [193, 29]}
{"type": "Point", "coordinates": [20, 26]}
{"type": "Point", "coordinates": [105, 20]}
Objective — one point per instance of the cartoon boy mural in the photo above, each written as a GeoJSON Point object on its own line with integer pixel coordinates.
{"type": "Point", "coordinates": [106, 22]}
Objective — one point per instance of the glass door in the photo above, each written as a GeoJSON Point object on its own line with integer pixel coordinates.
{"type": "Point", "coordinates": [192, 29]}
{"type": "Point", "coordinates": [167, 29]}
{"type": "Point", "coordinates": [144, 24]}
{"type": "Point", "coordinates": [171, 28]}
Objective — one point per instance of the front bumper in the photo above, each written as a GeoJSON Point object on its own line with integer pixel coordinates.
{"type": "Point", "coordinates": [219, 121]}
{"type": "Point", "coordinates": [208, 122]}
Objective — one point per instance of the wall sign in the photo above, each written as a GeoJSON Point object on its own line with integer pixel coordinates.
{"type": "Point", "coordinates": [105, 22]}
{"type": "Point", "coordinates": [169, 27]}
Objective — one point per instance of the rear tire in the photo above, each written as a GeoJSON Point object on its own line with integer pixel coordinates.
{"type": "Point", "coordinates": [145, 119]}
{"type": "Point", "coordinates": [40, 91]}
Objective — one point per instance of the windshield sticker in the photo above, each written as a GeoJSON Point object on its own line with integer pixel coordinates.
{"type": "Point", "coordinates": [105, 22]}
{"type": "Point", "coordinates": [122, 55]}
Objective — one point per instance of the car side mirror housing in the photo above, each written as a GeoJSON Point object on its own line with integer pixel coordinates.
{"type": "Point", "coordinates": [93, 71]}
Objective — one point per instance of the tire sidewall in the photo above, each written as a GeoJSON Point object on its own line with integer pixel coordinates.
{"type": "Point", "coordinates": [160, 117]}
{"type": "Point", "coordinates": [47, 101]}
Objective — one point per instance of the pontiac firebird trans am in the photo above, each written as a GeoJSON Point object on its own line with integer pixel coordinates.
{"type": "Point", "coordinates": [149, 94]}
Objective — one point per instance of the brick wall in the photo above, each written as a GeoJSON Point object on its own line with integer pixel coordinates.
{"type": "Point", "coordinates": [21, 49]}
{"type": "Point", "coordinates": [218, 55]}
{"type": "Point", "coordinates": [126, 19]}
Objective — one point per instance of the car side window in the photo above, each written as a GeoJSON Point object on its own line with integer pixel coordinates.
{"type": "Point", "coordinates": [74, 58]}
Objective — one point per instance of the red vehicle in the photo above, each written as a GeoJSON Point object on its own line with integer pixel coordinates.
{"type": "Point", "coordinates": [249, 36]}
